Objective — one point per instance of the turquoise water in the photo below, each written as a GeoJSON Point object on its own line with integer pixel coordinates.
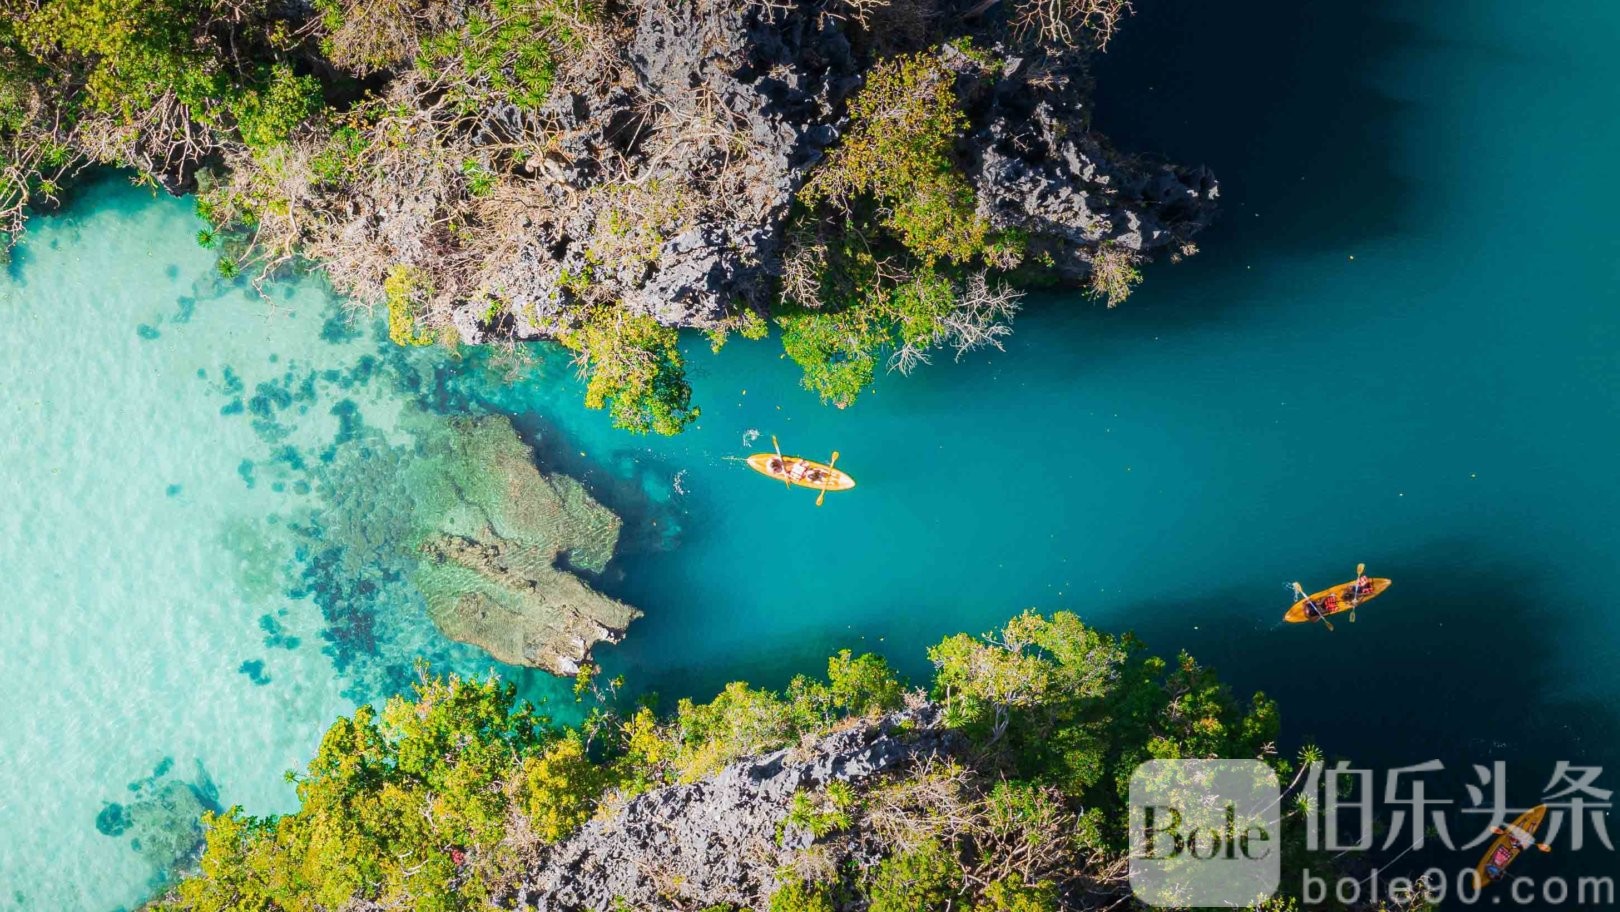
{"type": "Point", "coordinates": [199, 568]}
{"type": "Point", "coordinates": [1398, 346]}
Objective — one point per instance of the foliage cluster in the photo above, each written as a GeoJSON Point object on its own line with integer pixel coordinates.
{"type": "Point", "coordinates": [889, 253]}
{"type": "Point", "coordinates": [899, 152]}
{"type": "Point", "coordinates": [506, 53]}
{"type": "Point", "coordinates": [408, 147]}
{"type": "Point", "coordinates": [633, 367]}
{"type": "Point", "coordinates": [441, 802]}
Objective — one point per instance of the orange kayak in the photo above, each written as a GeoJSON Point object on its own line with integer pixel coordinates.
{"type": "Point", "coordinates": [1342, 595]}
{"type": "Point", "coordinates": [802, 472]}
{"type": "Point", "coordinates": [1505, 848]}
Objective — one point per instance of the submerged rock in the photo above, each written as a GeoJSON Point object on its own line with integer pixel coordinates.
{"type": "Point", "coordinates": [499, 543]}
{"type": "Point", "coordinates": [162, 818]}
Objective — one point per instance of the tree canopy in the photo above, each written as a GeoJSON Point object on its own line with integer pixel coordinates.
{"type": "Point", "coordinates": [441, 801]}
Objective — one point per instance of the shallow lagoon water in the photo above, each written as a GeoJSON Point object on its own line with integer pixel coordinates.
{"type": "Point", "coordinates": [1398, 346]}
{"type": "Point", "coordinates": [179, 469]}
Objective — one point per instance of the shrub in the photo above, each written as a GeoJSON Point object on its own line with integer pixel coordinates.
{"type": "Point", "coordinates": [1114, 274]}
{"type": "Point", "coordinates": [406, 289]}
{"type": "Point", "coordinates": [799, 895]}
{"type": "Point", "coordinates": [923, 879]}
{"type": "Point", "coordinates": [507, 53]}
{"type": "Point", "coordinates": [561, 787]}
{"type": "Point", "coordinates": [267, 115]}
{"type": "Point", "coordinates": [634, 369]}
{"type": "Point", "coordinates": [899, 150]}
{"type": "Point", "coordinates": [1014, 895]}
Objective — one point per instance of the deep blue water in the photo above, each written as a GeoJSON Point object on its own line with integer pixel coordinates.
{"type": "Point", "coordinates": [1397, 346]}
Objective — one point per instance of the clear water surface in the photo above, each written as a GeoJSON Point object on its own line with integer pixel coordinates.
{"type": "Point", "coordinates": [1398, 346]}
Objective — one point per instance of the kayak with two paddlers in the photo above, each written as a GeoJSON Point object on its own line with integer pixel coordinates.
{"type": "Point", "coordinates": [804, 473]}
{"type": "Point", "coordinates": [1319, 606]}
{"type": "Point", "coordinates": [1511, 841]}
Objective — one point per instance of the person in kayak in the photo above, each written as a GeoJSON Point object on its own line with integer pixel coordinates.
{"type": "Point", "coordinates": [1313, 611]}
{"type": "Point", "coordinates": [1521, 839]}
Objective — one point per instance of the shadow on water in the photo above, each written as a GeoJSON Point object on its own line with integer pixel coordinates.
{"type": "Point", "coordinates": [1279, 99]}
{"type": "Point", "coordinates": [1445, 666]}
{"type": "Point", "coordinates": [1376, 689]}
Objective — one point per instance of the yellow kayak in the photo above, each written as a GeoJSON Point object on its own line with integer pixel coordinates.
{"type": "Point", "coordinates": [802, 472]}
{"type": "Point", "coordinates": [1332, 601]}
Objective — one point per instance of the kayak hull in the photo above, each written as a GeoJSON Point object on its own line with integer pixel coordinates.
{"type": "Point", "coordinates": [1504, 849]}
{"type": "Point", "coordinates": [830, 479]}
{"type": "Point", "coordinates": [1300, 612]}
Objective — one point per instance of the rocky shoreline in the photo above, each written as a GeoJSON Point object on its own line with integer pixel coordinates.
{"type": "Point", "coordinates": [879, 179]}
{"type": "Point", "coordinates": [723, 840]}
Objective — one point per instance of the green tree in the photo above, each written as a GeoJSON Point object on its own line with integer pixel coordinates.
{"type": "Point", "coordinates": [404, 807]}
{"type": "Point", "coordinates": [268, 114]}
{"type": "Point", "coordinates": [899, 152]}
{"type": "Point", "coordinates": [634, 369]}
{"type": "Point", "coordinates": [128, 54]}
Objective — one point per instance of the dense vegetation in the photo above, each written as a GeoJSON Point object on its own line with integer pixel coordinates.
{"type": "Point", "coordinates": [442, 802]}
{"type": "Point", "coordinates": [432, 157]}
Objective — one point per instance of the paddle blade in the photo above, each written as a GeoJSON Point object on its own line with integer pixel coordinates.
{"type": "Point", "coordinates": [1360, 569]}
{"type": "Point", "coordinates": [821, 497]}
{"type": "Point", "coordinates": [834, 460]}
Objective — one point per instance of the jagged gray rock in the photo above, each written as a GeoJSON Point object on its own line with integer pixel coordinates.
{"type": "Point", "coordinates": [744, 99]}
{"type": "Point", "coordinates": [737, 98]}
{"type": "Point", "coordinates": [1037, 165]}
{"type": "Point", "coordinates": [722, 839]}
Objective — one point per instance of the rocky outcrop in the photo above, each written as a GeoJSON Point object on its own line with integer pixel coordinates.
{"type": "Point", "coordinates": [669, 185]}
{"type": "Point", "coordinates": [667, 190]}
{"type": "Point", "coordinates": [723, 839]}
{"type": "Point", "coordinates": [1036, 165]}
{"type": "Point", "coordinates": [502, 545]}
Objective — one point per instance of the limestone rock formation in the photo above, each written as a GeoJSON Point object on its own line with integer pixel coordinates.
{"type": "Point", "coordinates": [668, 189]}
{"type": "Point", "coordinates": [501, 543]}
{"type": "Point", "coordinates": [722, 839]}
{"type": "Point", "coordinates": [1037, 166]}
